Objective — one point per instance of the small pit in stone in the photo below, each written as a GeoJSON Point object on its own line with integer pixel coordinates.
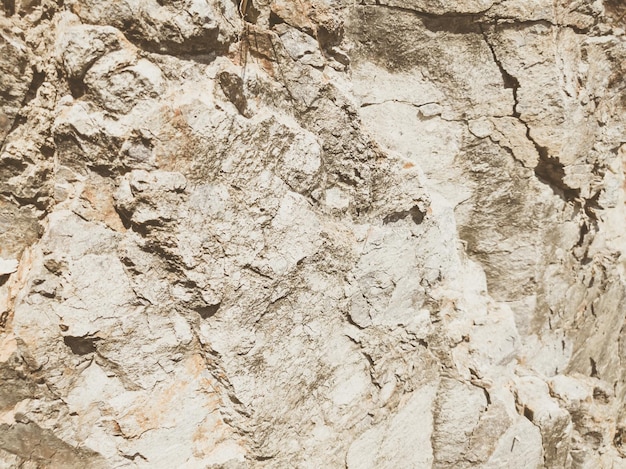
{"type": "Point", "coordinates": [80, 345]}
{"type": "Point", "coordinates": [600, 395]}
{"type": "Point", "coordinates": [206, 312]}
{"type": "Point", "coordinates": [415, 213]}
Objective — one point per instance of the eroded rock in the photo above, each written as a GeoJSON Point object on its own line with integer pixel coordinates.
{"type": "Point", "coordinates": [312, 234]}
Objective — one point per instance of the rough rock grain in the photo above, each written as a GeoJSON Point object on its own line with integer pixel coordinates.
{"type": "Point", "coordinates": [324, 233]}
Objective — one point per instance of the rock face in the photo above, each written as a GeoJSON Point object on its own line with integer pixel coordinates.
{"type": "Point", "coordinates": [323, 233]}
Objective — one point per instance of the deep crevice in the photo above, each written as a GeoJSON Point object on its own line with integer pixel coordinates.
{"type": "Point", "coordinates": [77, 87]}
{"type": "Point", "coordinates": [35, 84]}
{"type": "Point", "coordinates": [549, 170]}
{"type": "Point", "coordinates": [510, 82]}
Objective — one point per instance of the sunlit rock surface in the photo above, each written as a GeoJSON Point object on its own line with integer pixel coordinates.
{"type": "Point", "coordinates": [314, 233]}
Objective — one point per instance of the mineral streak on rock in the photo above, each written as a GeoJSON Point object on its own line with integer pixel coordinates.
{"type": "Point", "coordinates": [313, 233]}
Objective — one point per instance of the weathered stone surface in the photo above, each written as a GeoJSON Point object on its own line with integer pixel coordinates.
{"type": "Point", "coordinates": [312, 234]}
{"type": "Point", "coordinates": [15, 77]}
{"type": "Point", "coordinates": [403, 440]}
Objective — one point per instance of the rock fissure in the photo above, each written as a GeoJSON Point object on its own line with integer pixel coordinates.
{"type": "Point", "coordinates": [238, 234]}
{"type": "Point", "coordinates": [548, 170]}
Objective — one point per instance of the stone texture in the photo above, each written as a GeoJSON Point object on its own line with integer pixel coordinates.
{"type": "Point", "coordinates": [312, 234]}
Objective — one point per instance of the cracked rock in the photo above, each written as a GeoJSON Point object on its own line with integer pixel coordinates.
{"type": "Point", "coordinates": [323, 233]}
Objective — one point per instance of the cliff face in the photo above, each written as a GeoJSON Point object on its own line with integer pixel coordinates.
{"type": "Point", "coordinates": [315, 233]}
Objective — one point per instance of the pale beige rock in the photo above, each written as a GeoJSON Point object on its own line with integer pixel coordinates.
{"type": "Point", "coordinates": [403, 440]}
{"type": "Point", "coordinates": [8, 266]}
{"type": "Point", "coordinates": [321, 233]}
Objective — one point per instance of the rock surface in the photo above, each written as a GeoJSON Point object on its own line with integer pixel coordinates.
{"type": "Point", "coordinates": [323, 233]}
